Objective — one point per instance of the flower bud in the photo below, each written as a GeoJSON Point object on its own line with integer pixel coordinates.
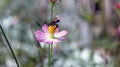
{"type": "Point", "coordinates": [52, 1]}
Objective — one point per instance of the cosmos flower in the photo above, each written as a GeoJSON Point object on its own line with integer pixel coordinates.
{"type": "Point", "coordinates": [117, 5]}
{"type": "Point", "coordinates": [50, 34]}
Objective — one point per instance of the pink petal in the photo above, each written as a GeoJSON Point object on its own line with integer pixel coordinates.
{"type": "Point", "coordinates": [60, 34]}
{"type": "Point", "coordinates": [38, 32]}
{"type": "Point", "coordinates": [39, 40]}
{"type": "Point", "coordinates": [49, 41]}
{"type": "Point", "coordinates": [55, 40]}
{"type": "Point", "coordinates": [40, 36]}
{"type": "Point", "coordinates": [62, 38]}
{"type": "Point", "coordinates": [44, 28]}
{"type": "Point", "coordinates": [57, 30]}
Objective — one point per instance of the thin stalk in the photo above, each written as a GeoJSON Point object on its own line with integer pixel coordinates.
{"type": "Point", "coordinates": [51, 50]}
{"type": "Point", "coordinates": [50, 45]}
{"type": "Point", "coordinates": [52, 6]}
{"type": "Point", "coordinates": [5, 47]}
{"type": "Point", "coordinates": [50, 54]}
{"type": "Point", "coordinates": [9, 46]}
{"type": "Point", "coordinates": [49, 59]}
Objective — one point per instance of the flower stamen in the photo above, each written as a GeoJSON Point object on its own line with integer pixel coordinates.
{"type": "Point", "coordinates": [51, 30]}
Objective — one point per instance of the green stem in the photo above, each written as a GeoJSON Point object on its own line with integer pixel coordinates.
{"type": "Point", "coordinates": [9, 46]}
{"type": "Point", "coordinates": [49, 61]}
{"type": "Point", "coordinates": [51, 50]}
{"type": "Point", "coordinates": [52, 6]}
{"type": "Point", "coordinates": [50, 45]}
{"type": "Point", "coordinates": [50, 54]}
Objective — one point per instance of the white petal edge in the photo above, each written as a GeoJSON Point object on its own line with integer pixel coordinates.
{"type": "Point", "coordinates": [60, 34]}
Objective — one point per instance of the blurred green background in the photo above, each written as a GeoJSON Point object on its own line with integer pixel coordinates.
{"type": "Point", "coordinates": [93, 38]}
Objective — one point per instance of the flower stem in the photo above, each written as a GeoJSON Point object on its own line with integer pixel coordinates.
{"type": "Point", "coordinates": [50, 46]}
{"type": "Point", "coordinates": [49, 59]}
{"type": "Point", "coordinates": [9, 46]}
{"type": "Point", "coordinates": [51, 50]}
{"type": "Point", "coordinates": [50, 54]}
{"type": "Point", "coordinates": [52, 6]}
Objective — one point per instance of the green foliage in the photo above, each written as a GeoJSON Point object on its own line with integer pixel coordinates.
{"type": "Point", "coordinates": [87, 16]}
{"type": "Point", "coordinates": [3, 5]}
{"type": "Point", "coordinates": [105, 43]}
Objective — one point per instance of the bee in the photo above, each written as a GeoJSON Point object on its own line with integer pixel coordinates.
{"type": "Point", "coordinates": [55, 21]}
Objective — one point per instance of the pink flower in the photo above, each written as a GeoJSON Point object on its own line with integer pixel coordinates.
{"type": "Point", "coordinates": [50, 34]}
{"type": "Point", "coordinates": [117, 5]}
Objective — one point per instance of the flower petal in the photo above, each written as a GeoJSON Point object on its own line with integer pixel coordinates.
{"type": "Point", "coordinates": [62, 38]}
{"type": "Point", "coordinates": [60, 34]}
{"type": "Point", "coordinates": [40, 40]}
{"type": "Point", "coordinates": [49, 41]}
{"type": "Point", "coordinates": [40, 36]}
{"type": "Point", "coordinates": [44, 28]}
{"type": "Point", "coordinates": [55, 40]}
{"type": "Point", "coordinates": [57, 30]}
{"type": "Point", "coordinates": [38, 32]}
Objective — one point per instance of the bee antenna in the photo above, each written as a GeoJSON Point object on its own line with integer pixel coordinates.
{"type": "Point", "coordinates": [57, 21]}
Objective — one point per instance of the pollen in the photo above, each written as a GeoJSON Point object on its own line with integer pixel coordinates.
{"type": "Point", "coordinates": [51, 30]}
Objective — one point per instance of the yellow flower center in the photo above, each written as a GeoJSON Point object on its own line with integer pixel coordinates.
{"type": "Point", "coordinates": [51, 30]}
